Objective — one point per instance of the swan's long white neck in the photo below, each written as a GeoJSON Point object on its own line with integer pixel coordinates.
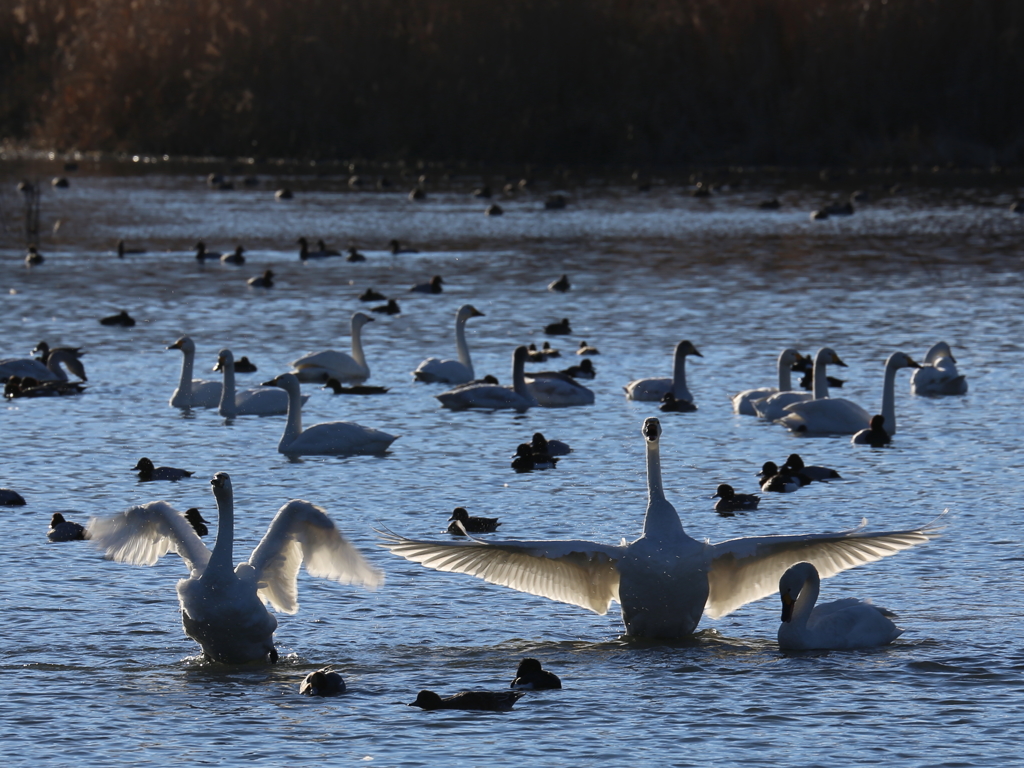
{"type": "Point", "coordinates": [519, 375]}
{"type": "Point", "coordinates": [679, 390]}
{"type": "Point", "coordinates": [357, 344]}
{"type": "Point", "coordinates": [806, 600]}
{"type": "Point", "coordinates": [293, 426]}
{"type": "Point", "coordinates": [785, 372]}
{"type": "Point", "coordinates": [222, 557]}
{"type": "Point", "coordinates": [53, 364]}
{"type": "Point", "coordinates": [820, 377]}
{"type": "Point", "coordinates": [889, 395]}
{"type": "Point", "coordinates": [185, 382]}
{"type": "Point", "coordinates": [227, 393]}
{"type": "Point", "coordinates": [661, 519]}
{"type": "Point", "coordinates": [460, 343]}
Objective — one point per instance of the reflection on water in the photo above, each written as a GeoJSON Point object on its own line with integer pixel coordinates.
{"type": "Point", "coordinates": [90, 642]}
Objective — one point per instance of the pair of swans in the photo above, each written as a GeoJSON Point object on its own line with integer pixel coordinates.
{"type": "Point", "coordinates": [23, 367]}
{"type": "Point", "coordinates": [223, 605]}
{"type": "Point", "coordinates": [773, 407]}
{"type": "Point", "coordinates": [938, 375]}
{"type": "Point", "coordinates": [459, 371]}
{"type": "Point", "coordinates": [743, 403]}
{"type": "Point", "coordinates": [654, 389]}
{"type": "Point", "coordinates": [330, 364]}
{"type": "Point", "coordinates": [665, 580]}
{"type": "Point", "coordinates": [837, 415]}
{"type": "Point", "coordinates": [333, 438]}
{"type": "Point", "coordinates": [493, 397]}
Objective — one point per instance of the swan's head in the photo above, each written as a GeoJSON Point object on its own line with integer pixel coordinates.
{"type": "Point", "coordinates": [794, 462]}
{"type": "Point", "coordinates": [144, 465]}
{"type": "Point", "coordinates": [221, 482]}
{"type": "Point", "coordinates": [467, 311]}
{"type": "Point", "coordinates": [360, 319]}
{"type": "Point", "coordinates": [791, 357]}
{"type": "Point", "coordinates": [460, 514]}
{"type": "Point", "coordinates": [652, 430]}
{"type": "Point", "coordinates": [519, 355]}
{"type": "Point", "coordinates": [224, 359]}
{"type": "Point", "coordinates": [792, 582]}
{"type": "Point", "coordinates": [768, 469]}
{"type": "Point", "coordinates": [724, 492]}
{"type": "Point", "coordinates": [285, 381]}
{"type": "Point", "coordinates": [687, 348]}
{"type": "Point", "coordinates": [936, 353]}
{"type": "Point", "coordinates": [185, 344]}
{"type": "Point", "coordinates": [900, 360]}
{"type": "Point", "coordinates": [829, 357]}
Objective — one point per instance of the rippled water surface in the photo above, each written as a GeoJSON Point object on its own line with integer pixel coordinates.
{"type": "Point", "coordinates": [95, 666]}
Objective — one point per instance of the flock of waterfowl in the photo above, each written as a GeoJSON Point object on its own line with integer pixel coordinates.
{"type": "Point", "coordinates": [664, 581]}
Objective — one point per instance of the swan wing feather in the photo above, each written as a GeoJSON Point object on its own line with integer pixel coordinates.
{"type": "Point", "coordinates": [303, 532]}
{"type": "Point", "coordinates": [143, 534]}
{"type": "Point", "coordinates": [582, 573]}
{"type": "Point", "coordinates": [747, 569]}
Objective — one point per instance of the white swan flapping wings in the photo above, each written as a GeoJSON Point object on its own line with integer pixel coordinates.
{"type": "Point", "coordinates": [938, 375]}
{"type": "Point", "coordinates": [451, 371]}
{"type": "Point", "coordinates": [654, 389]}
{"type": "Point", "coordinates": [193, 393]}
{"type": "Point", "coordinates": [837, 415]}
{"type": "Point", "coordinates": [665, 579]}
{"type": "Point", "coordinates": [743, 402]}
{"type": "Point", "coordinates": [330, 364]}
{"type": "Point", "coordinates": [222, 606]}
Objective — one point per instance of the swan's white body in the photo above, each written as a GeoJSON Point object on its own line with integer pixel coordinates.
{"type": "Point", "coordinates": [332, 438]}
{"type": "Point", "coordinates": [193, 393]}
{"type": "Point", "coordinates": [655, 389]}
{"type": "Point", "coordinates": [665, 579]}
{"type": "Point", "coordinates": [552, 389]}
{"type": "Point", "coordinates": [938, 375]}
{"type": "Point", "coordinates": [52, 371]}
{"type": "Point", "coordinates": [743, 403]}
{"type": "Point", "coordinates": [841, 416]}
{"type": "Point", "coordinates": [255, 401]}
{"type": "Point", "coordinates": [222, 606]}
{"type": "Point", "coordinates": [774, 407]}
{"type": "Point", "coordinates": [451, 371]}
{"type": "Point", "coordinates": [839, 625]}
{"type": "Point", "coordinates": [329, 364]}
{"type": "Point", "coordinates": [493, 397]}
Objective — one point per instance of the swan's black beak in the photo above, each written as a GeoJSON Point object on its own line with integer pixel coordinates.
{"type": "Point", "coordinates": [787, 607]}
{"type": "Point", "coordinates": [912, 364]}
{"type": "Point", "coordinates": [652, 429]}
{"type": "Point", "coordinates": [219, 480]}
{"type": "Point", "coordinates": [271, 383]}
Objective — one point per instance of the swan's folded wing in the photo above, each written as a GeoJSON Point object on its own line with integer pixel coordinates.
{"type": "Point", "coordinates": [142, 535]}
{"type": "Point", "coordinates": [582, 573]}
{"type": "Point", "coordinates": [299, 532]}
{"type": "Point", "coordinates": [747, 569]}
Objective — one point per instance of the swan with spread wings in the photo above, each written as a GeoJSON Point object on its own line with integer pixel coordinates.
{"type": "Point", "coordinates": [665, 580]}
{"type": "Point", "coordinates": [223, 605]}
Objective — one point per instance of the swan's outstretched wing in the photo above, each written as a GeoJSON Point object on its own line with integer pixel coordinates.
{"type": "Point", "coordinates": [747, 569]}
{"type": "Point", "coordinates": [582, 573]}
{"type": "Point", "coordinates": [142, 535]}
{"type": "Point", "coordinates": [299, 532]}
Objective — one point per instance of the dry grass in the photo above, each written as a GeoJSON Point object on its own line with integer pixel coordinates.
{"type": "Point", "coordinates": [600, 81]}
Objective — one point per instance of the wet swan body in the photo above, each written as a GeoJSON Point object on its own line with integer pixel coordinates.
{"type": "Point", "coordinates": [665, 579]}
{"type": "Point", "coordinates": [330, 364]}
{"type": "Point", "coordinates": [222, 605]}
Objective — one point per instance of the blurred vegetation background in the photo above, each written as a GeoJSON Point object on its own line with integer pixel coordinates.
{"type": "Point", "coordinates": [550, 81]}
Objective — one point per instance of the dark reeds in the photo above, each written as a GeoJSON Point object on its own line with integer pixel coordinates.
{"type": "Point", "coordinates": [571, 81]}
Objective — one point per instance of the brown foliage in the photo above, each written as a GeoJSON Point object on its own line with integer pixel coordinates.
{"type": "Point", "coordinates": [659, 81]}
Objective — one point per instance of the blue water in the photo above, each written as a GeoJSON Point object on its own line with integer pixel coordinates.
{"type": "Point", "coordinates": [96, 668]}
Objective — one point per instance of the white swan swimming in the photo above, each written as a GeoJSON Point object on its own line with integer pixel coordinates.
{"type": "Point", "coordinates": [655, 389]}
{"type": "Point", "coordinates": [743, 403]}
{"type": "Point", "coordinates": [193, 393]}
{"type": "Point", "coordinates": [774, 407]}
{"type": "Point", "coordinates": [222, 605]}
{"type": "Point", "coordinates": [493, 397]}
{"type": "Point", "coordinates": [665, 579]}
{"type": "Point", "coordinates": [552, 389]}
{"type": "Point", "coordinates": [329, 364]}
{"type": "Point", "coordinates": [331, 438]}
{"type": "Point", "coordinates": [255, 401]}
{"type": "Point", "coordinates": [938, 375]}
{"type": "Point", "coordinates": [837, 415]}
{"type": "Point", "coordinates": [451, 371]}
{"type": "Point", "coordinates": [839, 625]}
{"type": "Point", "coordinates": [23, 367]}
